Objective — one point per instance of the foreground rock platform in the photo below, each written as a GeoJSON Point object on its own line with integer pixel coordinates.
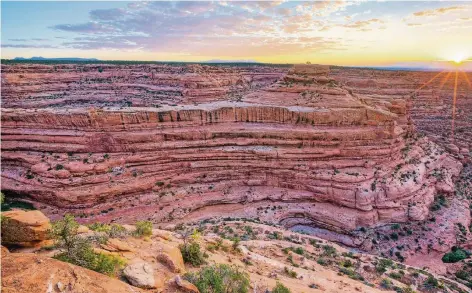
{"type": "Point", "coordinates": [320, 145]}
{"type": "Point", "coordinates": [30, 273]}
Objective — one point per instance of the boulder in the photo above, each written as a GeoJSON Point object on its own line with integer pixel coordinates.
{"type": "Point", "coordinates": [185, 286]}
{"type": "Point", "coordinates": [141, 275]}
{"type": "Point", "coordinates": [25, 228]}
{"type": "Point", "coordinates": [172, 258]}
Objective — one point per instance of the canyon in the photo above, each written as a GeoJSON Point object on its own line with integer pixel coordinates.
{"type": "Point", "coordinates": [340, 153]}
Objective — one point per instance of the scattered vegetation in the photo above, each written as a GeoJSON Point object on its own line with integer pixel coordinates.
{"type": "Point", "coordinates": [143, 229]}
{"type": "Point", "coordinates": [280, 288]}
{"type": "Point", "coordinates": [79, 251]}
{"type": "Point", "coordinates": [220, 279]}
{"type": "Point", "coordinates": [190, 249]}
{"type": "Point", "coordinates": [455, 255]}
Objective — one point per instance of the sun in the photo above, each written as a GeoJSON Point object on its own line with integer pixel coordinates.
{"type": "Point", "coordinates": [458, 58]}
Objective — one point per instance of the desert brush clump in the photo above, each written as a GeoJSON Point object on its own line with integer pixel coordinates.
{"type": "Point", "coordinates": [78, 250]}
{"type": "Point", "coordinates": [220, 278]}
{"type": "Point", "coordinates": [280, 288]}
{"type": "Point", "coordinates": [143, 229]}
{"type": "Point", "coordinates": [455, 255]}
{"type": "Point", "coordinates": [190, 249]}
{"type": "Point", "coordinates": [110, 230]}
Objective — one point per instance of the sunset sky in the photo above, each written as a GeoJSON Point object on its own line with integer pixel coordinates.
{"type": "Point", "coordinates": [334, 32]}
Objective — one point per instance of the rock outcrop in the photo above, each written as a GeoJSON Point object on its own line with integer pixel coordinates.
{"type": "Point", "coordinates": [25, 228]}
{"type": "Point", "coordinates": [306, 146]}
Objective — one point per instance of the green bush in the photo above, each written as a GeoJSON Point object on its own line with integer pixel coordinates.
{"type": "Point", "coordinates": [65, 232]}
{"type": "Point", "coordinates": [143, 228]}
{"type": "Point", "coordinates": [431, 282]}
{"type": "Point", "coordinates": [322, 261]}
{"type": "Point", "coordinates": [99, 227]}
{"type": "Point", "coordinates": [386, 284]}
{"type": "Point", "coordinates": [117, 231]}
{"type": "Point", "coordinates": [113, 230]}
{"type": "Point", "coordinates": [280, 288]}
{"type": "Point", "coordinates": [383, 264]}
{"type": "Point", "coordinates": [108, 264]}
{"type": "Point", "coordinates": [192, 254]}
{"type": "Point", "coordinates": [329, 250]}
{"type": "Point", "coordinates": [99, 262]}
{"type": "Point", "coordinates": [219, 279]}
{"type": "Point", "coordinates": [79, 251]}
{"type": "Point", "coordinates": [454, 256]}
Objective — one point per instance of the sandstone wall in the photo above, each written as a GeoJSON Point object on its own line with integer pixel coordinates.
{"type": "Point", "coordinates": [300, 149]}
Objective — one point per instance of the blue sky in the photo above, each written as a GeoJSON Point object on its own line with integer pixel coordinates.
{"type": "Point", "coordinates": [332, 32]}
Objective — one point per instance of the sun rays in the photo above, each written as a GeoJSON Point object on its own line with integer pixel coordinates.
{"type": "Point", "coordinates": [459, 75]}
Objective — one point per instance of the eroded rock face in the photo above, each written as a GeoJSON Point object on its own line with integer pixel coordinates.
{"type": "Point", "coordinates": [305, 146]}
{"type": "Point", "coordinates": [25, 228]}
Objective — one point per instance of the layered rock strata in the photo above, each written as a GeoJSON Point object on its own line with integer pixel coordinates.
{"type": "Point", "coordinates": [296, 148]}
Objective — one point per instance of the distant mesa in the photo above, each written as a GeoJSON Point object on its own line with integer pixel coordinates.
{"type": "Point", "coordinates": [56, 59]}
{"type": "Point", "coordinates": [230, 61]}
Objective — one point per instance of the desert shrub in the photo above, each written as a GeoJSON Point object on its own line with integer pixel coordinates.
{"type": "Point", "coordinates": [192, 254]}
{"type": "Point", "coordinates": [290, 273]}
{"type": "Point", "coordinates": [322, 261]}
{"type": "Point", "coordinates": [395, 275]}
{"type": "Point", "coordinates": [351, 273]}
{"type": "Point", "coordinates": [329, 250]}
{"type": "Point", "coordinates": [117, 231]}
{"type": "Point", "coordinates": [113, 230]}
{"type": "Point", "coordinates": [455, 255]}
{"type": "Point", "coordinates": [219, 279]}
{"type": "Point", "coordinates": [99, 227]}
{"type": "Point", "coordinates": [386, 284]}
{"type": "Point", "coordinates": [462, 275]}
{"type": "Point", "coordinates": [431, 282]}
{"type": "Point", "coordinates": [143, 228]}
{"type": "Point", "coordinates": [108, 264]}
{"type": "Point", "coordinates": [236, 242]}
{"type": "Point", "coordinates": [299, 250]}
{"type": "Point", "coordinates": [79, 251]}
{"type": "Point", "coordinates": [280, 288]}
{"type": "Point", "coordinates": [346, 263]}
{"type": "Point", "coordinates": [383, 264]}
{"type": "Point", "coordinates": [64, 232]}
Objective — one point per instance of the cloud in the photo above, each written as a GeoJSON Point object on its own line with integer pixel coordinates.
{"type": "Point", "coordinates": [27, 46]}
{"type": "Point", "coordinates": [438, 11]}
{"type": "Point", "coordinates": [363, 24]}
{"type": "Point", "coordinates": [26, 40]}
{"type": "Point", "coordinates": [89, 27]}
{"type": "Point", "coordinates": [107, 14]}
{"type": "Point", "coordinates": [206, 28]}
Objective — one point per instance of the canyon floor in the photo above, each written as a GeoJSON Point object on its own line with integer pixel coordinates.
{"type": "Point", "coordinates": [375, 163]}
